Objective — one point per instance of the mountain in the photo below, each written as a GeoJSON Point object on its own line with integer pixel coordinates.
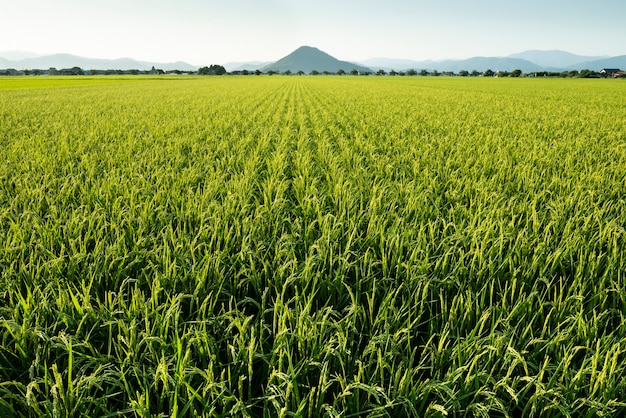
{"type": "Point", "coordinates": [555, 58]}
{"type": "Point", "coordinates": [60, 61]}
{"type": "Point", "coordinates": [489, 63]}
{"type": "Point", "coordinates": [528, 62]}
{"type": "Point", "coordinates": [470, 64]}
{"type": "Point", "coordinates": [307, 59]}
{"type": "Point", "coordinates": [597, 65]}
{"type": "Point", "coordinates": [17, 55]}
{"type": "Point", "coordinates": [249, 65]}
{"type": "Point", "coordinates": [397, 64]}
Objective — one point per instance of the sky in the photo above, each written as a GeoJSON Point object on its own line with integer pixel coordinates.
{"type": "Point", "coordinates": [204, 32]}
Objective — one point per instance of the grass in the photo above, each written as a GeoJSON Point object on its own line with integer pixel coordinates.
{"type": "Point", "coordinates": [312, 246]}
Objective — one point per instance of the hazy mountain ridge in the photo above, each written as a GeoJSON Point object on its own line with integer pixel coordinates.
{"type": "Point", "coordinates": [246, 65]}
{"type": "Point", "coordinates": [612, 62]}
{"type": "Point", "coordinates": [555, 58]}
{"type": "Point", "coordinates": [527, 61]}
{"type": "Point", "coordinates": [60, 61]}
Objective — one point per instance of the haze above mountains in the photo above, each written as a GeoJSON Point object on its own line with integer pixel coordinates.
{"type": "Point", "coordinates": [307, 59]}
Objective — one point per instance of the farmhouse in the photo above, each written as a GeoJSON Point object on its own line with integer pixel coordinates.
{"type": "Point", "coordinates": [610, 72]}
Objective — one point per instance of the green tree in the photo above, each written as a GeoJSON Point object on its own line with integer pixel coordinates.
{"type": "Point", "coordinates": [464, 73]}
{"type": "Point", "coordinates": [516, 73]}
{"type": "Point", "coordinates": [411, 72]}
{"type": "Point", "coordinates": [488, 73]}
{"type": "Point", "coordinates": [212, 70]}
{"type": "Point", "coordinates": [341, 72]}
{"type": "Point", "coordinates": [423, 73]}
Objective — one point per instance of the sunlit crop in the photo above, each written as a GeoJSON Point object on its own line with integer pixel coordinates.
{"type": "Point", "coordinates": [312, 246]}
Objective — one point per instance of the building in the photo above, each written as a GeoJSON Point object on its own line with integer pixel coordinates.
{"type": "Point", "coordinates": [609, 72]}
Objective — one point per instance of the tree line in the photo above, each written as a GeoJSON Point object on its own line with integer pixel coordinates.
{"type": "Point", "coordinates": [215, 69]}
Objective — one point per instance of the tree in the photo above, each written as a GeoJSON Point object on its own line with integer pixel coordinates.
{"type": "Point", "coordinates": [258, 72]}
{"type": "Point", "coordinates": [423, 73]}
{"type": "Point", "coordinates": [488, 73]}
{"type": "Point", "coordinates": [411, 72]}
{"type": "Point", "coordinates": [354, 72]}
{"type": "Point", "coordinates": [586, 73]}
{"type": "Point", "coordinates": [212, 70]}
{"type": "Point", "coordinates": [341, 72]}
{"type": "Point", "coordinates": [315, 72]}
{"type": "Point", "coordinates": [463, 73]}
{"type": "Point", "coordinates": [72, 71]}
{"type": "Point", "coordinates": [516, 73]}
{"type": "Point", "coordinates": [393, 73]}
{"type": "Point", "coordinates": [300, 72]}
{"type": "Point", "coordinates": [474, 73]}
{"type": "Point", "coordinates": [287, 72]}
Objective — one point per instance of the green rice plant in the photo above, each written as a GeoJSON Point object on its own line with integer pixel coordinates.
{"type": "Point", "coordinates": [312, 246]}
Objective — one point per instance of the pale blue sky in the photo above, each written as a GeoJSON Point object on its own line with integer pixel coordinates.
{"type": "Point", "coordinates": [220, 31]}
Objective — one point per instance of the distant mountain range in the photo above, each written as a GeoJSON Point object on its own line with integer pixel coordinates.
{"type": "Point", "coordinates": [60, 61]}
{"type": "Point", "coordinates": [250, 66]}
{"type": "Point", "coordinates": [308, 58]}
{"type": "Point", "coordinates": [528, 61]}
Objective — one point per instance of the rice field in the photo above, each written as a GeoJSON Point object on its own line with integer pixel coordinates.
{"type": "Point", "coordinates": [312, 246]}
